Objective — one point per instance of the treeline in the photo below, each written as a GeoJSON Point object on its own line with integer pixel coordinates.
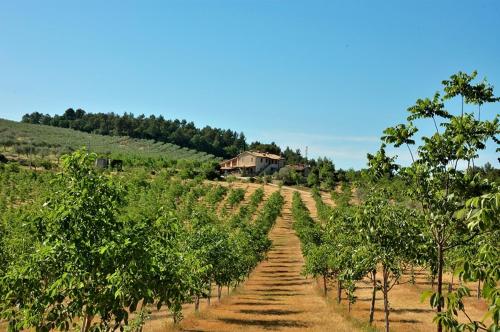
{"type": "Point", "coordinates": [223, 143]}
{"type": "Point", "coordinates": [219, 142]}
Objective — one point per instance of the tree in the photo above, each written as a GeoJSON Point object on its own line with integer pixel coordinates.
{"type": "Point", "coordinates": [434, 179]}
{"type": "Point", "coordinates": [313, 177]}
{"type": "Point", "coordinates": [327, 173]}
{"type": "Point", "coordinates": [459, 85]}
{"type": "Point", "coordinates": [481, 214]}
{"type": "Point", "coordinates": [380, 165]}
{"type": "Point", "coordinates": [481, 93]}
{"type": "Point", "coordinates": [82, 250]}
{"type": "Point", "coordinates": [269, 148]}
{"type": "Point", "coordinates": [216, 141]}
{"type": "Point", "coordinates": [392, 238]}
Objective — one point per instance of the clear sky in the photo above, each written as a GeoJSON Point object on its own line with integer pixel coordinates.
{"type": "Point", "coordinates": [330, 75]}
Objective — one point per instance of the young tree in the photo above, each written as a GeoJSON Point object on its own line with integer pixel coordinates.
{"type": "Point", "coordinates": [79, 244]}
{"type": "Point", "coordinates": [481, 214]}
{"type": "Point", "coordinates": [434, 177]}
{"type": "Point", "coordinates": [392, 238]}
{"type": "Point", "coordinates": [89, 265]}
{"type": "Point", "coordinates": [313, 178]}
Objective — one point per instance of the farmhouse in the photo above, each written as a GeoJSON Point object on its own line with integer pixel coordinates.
{"type": "Point", "coordinates": [253, 163]}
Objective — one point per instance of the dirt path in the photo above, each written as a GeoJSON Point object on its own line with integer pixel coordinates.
{"type": "Point", "coordinates": [276, 296]}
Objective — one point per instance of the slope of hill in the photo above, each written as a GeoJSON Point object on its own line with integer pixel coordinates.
{"type": "Point", "coordinates": [222, 143]}
{"type": "Point", "coordinates": [24, 139]}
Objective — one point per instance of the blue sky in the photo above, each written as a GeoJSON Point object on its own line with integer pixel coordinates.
{"type": "Point", "coordinates": [330, 75]}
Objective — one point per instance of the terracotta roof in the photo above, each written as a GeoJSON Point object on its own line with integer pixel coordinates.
{"type": "Point", "coordinates": [257, 154]}
{"type": "Point", "coordinates": [298, 167]}
{"type": "Point", "coordinates": [265, 155]}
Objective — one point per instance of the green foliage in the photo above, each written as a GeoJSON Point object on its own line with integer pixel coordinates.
{"type": "Point", "coordinates": [235, 196]}
{"type": "Point", "coordinates": [313, 178]}
{"type": "Point", "coordinates": [214, 141]}
{"type": "Point", "coordinates": [380, 165]}
{"type": "Point", "coordinates": [78, 251]}
{"type": "Point", "coordinates": [91, 246]}
{"type": "Point", "coordinates": [435, 181]}
{"type": "Point", "coordinates": [49, 143]}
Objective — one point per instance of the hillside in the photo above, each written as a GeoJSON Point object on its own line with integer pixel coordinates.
{"type": "Point", "coordinates": [223, 143]}
{"type": "Point", "coordinates": [20, 138]}
{"type": "Point", "coordinates": [219, 142]}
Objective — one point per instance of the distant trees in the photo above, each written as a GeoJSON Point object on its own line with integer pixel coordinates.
{"type": "Point", "coordinates": [222, 143]}
{"type": "Point", "coordinates": [262, 147]}
{"type": "Point", "coordinates": [219, 142]}
{"type": "Point", "coordinates": [294, 157]}
{"type": "Point", "coordinates": [323, 174]}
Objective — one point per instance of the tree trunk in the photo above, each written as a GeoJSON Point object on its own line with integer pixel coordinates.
{"type": "Point", "coordinates": [197, 303]}
{"type": "Point", "coordinates": [479, 289]}
{"type": "Point", "coordinates": [462, 106]}
{"type": "Point", "coordinates": [227, 289]}
{"type": "Point", "coordinates": [176, 318]}
{"type": "Point", "coordinates": [87, 321]}
{"type": "Point", "coordinates": [440, 283]}
{"type": "Point", "coordinates": [209, 292]}
{"type": "Point", "coordinates": [374, 293]}
{"type": "Point", "coordinates": [386, 300]}
{"type": "Point", "coordinates": [142, 313]}
{"type": "Point", "coordinates": [219, 292]}
{"type": "Point", "coordinates": [339, 291]}
{"type": "Point", "coordinates": [324, 285]}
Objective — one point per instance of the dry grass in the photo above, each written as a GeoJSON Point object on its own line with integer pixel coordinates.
{"type": "Point", "coordinates": [407, 313]}
{"type": "Point", "coordinates": [276, 296]}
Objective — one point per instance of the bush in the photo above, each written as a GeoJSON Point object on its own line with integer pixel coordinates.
{"type": "Point", "coordinates": [46, 164]}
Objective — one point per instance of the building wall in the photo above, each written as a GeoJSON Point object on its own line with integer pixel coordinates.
{"type": "Point", "coordinates": [269, 164]}
{"type": "Point", "coordinates": [258, 164]}
{"type": "Point", "coordinates": [246, 159]}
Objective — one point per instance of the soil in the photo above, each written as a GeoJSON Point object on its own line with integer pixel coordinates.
{"type": "Point", "coordinates": [276, 296]}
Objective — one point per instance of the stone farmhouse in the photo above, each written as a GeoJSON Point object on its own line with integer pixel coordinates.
{"type": "Point", "coordinates": [253, 163]}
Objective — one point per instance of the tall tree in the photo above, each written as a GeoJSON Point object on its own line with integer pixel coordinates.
{"type": "Point", "coordinates": [434, 178]}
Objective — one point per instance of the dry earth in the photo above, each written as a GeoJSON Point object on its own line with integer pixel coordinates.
{"type": "Point", "coordinates": [276, 296]}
